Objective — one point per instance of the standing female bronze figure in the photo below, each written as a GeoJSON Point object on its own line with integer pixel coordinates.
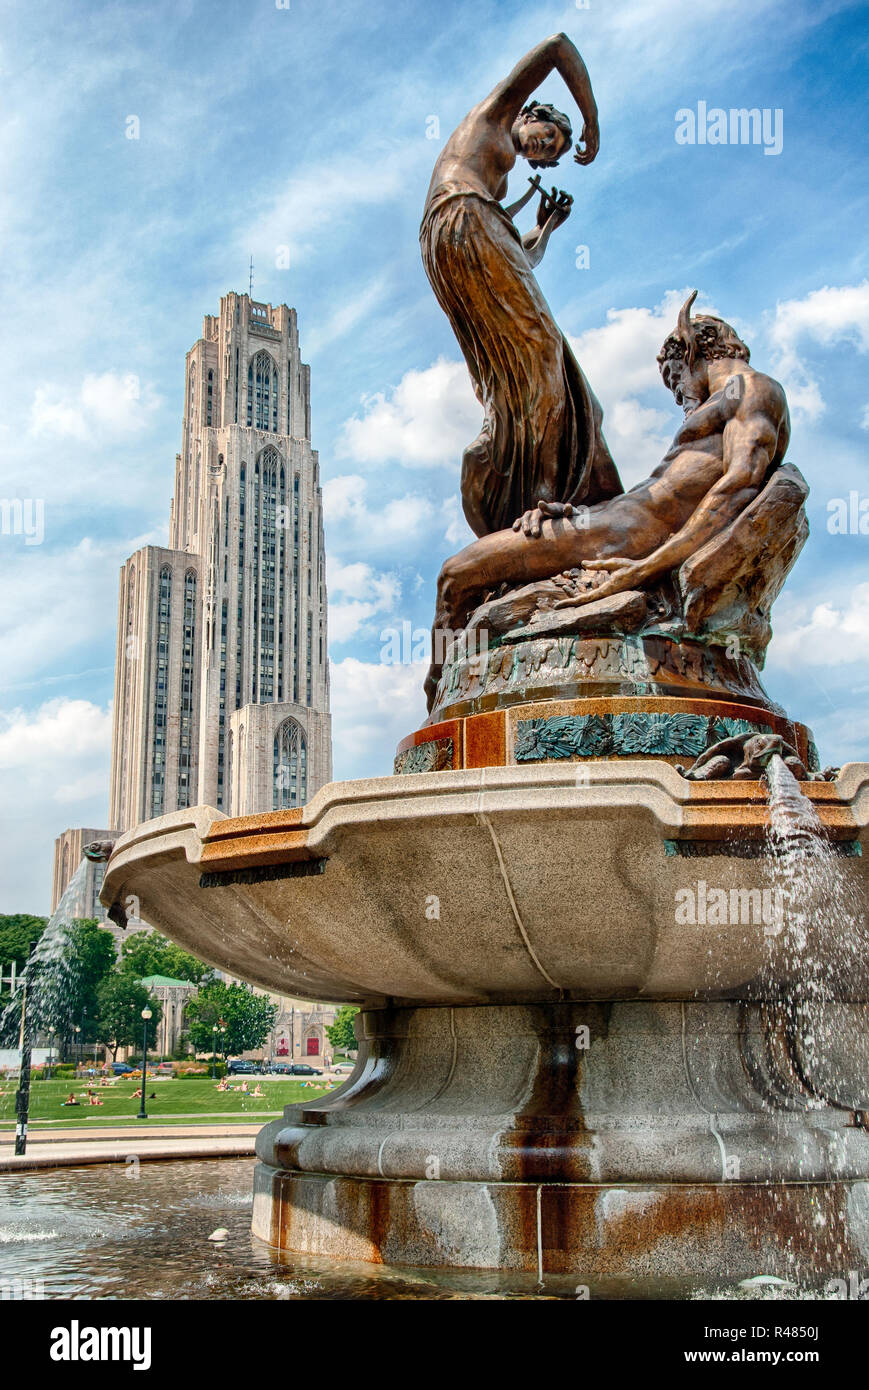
{"type": "Point", "coordinates": [541, 438]}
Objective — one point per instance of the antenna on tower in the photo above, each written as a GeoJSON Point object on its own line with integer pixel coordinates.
{"type": "Point", "coordinates": [251, 277]}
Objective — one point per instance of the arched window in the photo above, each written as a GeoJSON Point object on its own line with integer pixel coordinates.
{"type": "Point", "coordinates": [291, 765]}
{"type": "Point", "coordinates": [262, 392]}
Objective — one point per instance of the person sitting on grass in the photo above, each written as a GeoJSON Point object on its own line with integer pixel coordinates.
{"type": "Point", "coordinates": [222, 1085]}
{"type": "Point", "coordinates": [258, 1091]}
{"type": "Point", "coordinates": [71, 1099]}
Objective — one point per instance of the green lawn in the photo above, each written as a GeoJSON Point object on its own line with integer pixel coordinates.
{"type": "Point", "coordinates": [200, 1100]}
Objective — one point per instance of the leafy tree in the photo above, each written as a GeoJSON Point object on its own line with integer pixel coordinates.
{"type": "Point", "coordinates": [149, 953]}
{"type": "Point", "coordinates": [120, 1001]}
{"type": "Point", "coordinates": [92, 951]}
{"type": "Point", "coordinates": [19, 933]}
{"type": "Point", "coordinates": [341, 1033]}
{"type": "Point", "coordinates": [247, 1017]}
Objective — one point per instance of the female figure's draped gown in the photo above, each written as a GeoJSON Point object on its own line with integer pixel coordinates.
{"type": "Point", "coordinates": [541, 437]}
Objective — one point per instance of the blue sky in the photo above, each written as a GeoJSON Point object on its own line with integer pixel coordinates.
{"type": "Point", "coordinates": [307, 127]}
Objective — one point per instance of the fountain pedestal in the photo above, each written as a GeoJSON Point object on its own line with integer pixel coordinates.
{"type": "Point", "coordinates": [587, 1139]}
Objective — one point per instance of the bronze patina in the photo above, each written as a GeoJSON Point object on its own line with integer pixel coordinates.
{"type": "Point", "coordinates": [541, 435]}
{"type": "Point", "coordinates": [700, 549]}
{"type": "Point", "coordinates": [698, 552]}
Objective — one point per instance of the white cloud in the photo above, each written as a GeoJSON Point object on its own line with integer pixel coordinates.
{"type": "Point", "coordinates": [458, 533]}
{"type": "Point", "coordinates": [619, 361]}
{"type": "Point", "coordinates": [110, 406]}
{"type": "Point", "coordinates": [827, 317]}
{"type": "Point", "coordinates": [425, 421]}
{"type": "Point", "coordinates": [362, 582]}
{"type": "Point", "coordinates": [54, 772]}
{"type": "Point", "coordinates": [345, 318]}
{"type": "Point", "coordinates": [390, 527]}
{"type": "Point", "coordinates": [61, 731]}
{"type": "Point", "coordinates": [365, 592]}
{"type": "Point", "coordinates": [374, 706]}
{"type": "Point", "coordinates": [304, 215]}
{"type": "Point", "coordinates": [835, 634]}
{"type": "Point", "coordinates": [70, 602]}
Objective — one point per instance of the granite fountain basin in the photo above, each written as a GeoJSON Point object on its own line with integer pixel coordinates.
{"type": "Point", "coordinates": [498, 884]}
{"type": "Point", "coordinates": [555, 1072]}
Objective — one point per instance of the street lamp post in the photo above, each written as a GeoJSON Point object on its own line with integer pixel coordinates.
{"type": "Point", "coordinates": [146, 1014]}
{"type": "Point", "coordinates": [213, 1051]}
{"type": "Point", "coordinates": [223, 1044]}
{"type": "Point", "coordinates": [77, 1031]}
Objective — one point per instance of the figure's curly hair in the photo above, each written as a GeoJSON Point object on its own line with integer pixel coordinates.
{"type": "Point", "coordinates": [541, 111]}
{"type": "Point", "coordinates": [706, 336]}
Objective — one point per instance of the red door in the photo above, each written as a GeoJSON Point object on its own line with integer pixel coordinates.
{"type": "Point", "coordinates": [313, 1047]}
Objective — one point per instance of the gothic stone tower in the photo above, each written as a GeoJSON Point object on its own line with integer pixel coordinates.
{"type": "Point", "coordinates": [222, 677]}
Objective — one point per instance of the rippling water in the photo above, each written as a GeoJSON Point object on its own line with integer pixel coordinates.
{"type": "Point", "coordinates": [96, 1232]}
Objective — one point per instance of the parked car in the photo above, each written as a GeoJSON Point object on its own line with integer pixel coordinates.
{"type": "Point", "coordinates": [280, 1069]}
{"type": "Point", "coordinates": [122, 1069]}
{"type": "Point", "coordinates": [164, 1069]}
{"type": "Point", "coordinates": [302, 1069]}
{"type": "Point", "coordinates": [344, 1068]}
{"type": "Point", "coordinates": [241, 1068]}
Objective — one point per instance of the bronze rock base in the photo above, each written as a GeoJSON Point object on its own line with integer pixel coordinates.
{"type": "Point", "coordinates": [568, 666]}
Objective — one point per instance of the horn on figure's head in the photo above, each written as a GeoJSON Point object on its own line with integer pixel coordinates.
{"type": "Point", "coordinates": [685, 330]}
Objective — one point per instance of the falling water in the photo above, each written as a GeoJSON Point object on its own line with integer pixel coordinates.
{"type": "Point", "coordinates": [821, 939]}
{"type": "Point", "coordinates": [51, 974]}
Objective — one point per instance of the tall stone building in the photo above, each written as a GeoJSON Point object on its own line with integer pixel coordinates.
{"type": "Point", "coordinates": [221, 676]}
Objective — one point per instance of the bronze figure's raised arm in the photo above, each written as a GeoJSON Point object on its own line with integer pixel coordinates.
{"type": "Point", "coordinates": [541, 436]}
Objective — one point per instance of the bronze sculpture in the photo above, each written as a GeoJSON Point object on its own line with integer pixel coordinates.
{"type": "Point", "coordinates": [736, 429]}
{"type": "Point", "coordinates": [723, 480]}
{"type": "Point", "coordinates": [699, 551]}
{"type": "Point", "coordinates": [541, 438]}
